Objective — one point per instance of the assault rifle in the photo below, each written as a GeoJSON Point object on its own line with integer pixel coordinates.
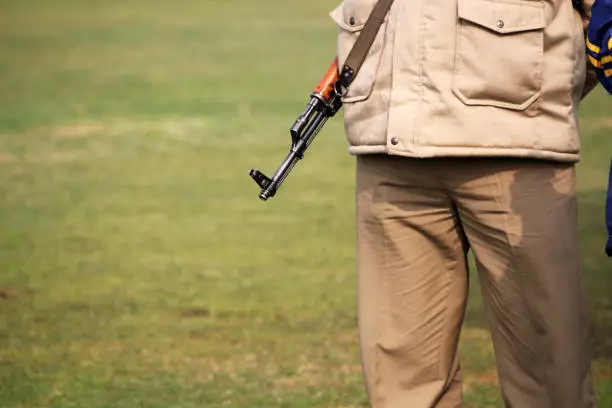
{"type": "Point", "coordinates": [324, 102]}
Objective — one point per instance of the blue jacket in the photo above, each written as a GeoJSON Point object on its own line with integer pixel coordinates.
{"type": "Point", "coordinates": [599, 51]}
{"type": "Point", "coordinates": [599, 41]}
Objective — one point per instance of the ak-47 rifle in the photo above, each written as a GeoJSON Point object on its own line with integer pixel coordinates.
{"type": "Point", "coordinates": [324, 103]}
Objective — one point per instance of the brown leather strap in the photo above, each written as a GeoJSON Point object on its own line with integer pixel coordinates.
{"type": "Point", "coordinates": [361, 47]}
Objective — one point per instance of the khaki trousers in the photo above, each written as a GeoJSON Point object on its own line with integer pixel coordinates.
{"type": "Point", "coordinates": [415, 222]}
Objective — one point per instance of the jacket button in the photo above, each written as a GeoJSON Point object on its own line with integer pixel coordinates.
{"type": "Point", "coordinates": [394, 140]}
{"type": "Point", "coordinates": [500, 24]}
{"type": "Point", "coordinates": [352, 21]}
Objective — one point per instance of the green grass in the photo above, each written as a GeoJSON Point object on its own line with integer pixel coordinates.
{"type": "Point", "coordinates": [138, 268]}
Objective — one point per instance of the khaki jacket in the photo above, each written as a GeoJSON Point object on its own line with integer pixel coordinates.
{"type": "Point", "coordinates": [466, 78]}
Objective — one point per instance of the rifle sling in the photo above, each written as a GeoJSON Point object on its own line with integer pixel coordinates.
{"type": "Point", "coordinates": [360, 49]}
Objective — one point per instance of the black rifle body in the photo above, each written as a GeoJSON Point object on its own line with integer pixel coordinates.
{"type": "Point", "coordinates": [324, 102]}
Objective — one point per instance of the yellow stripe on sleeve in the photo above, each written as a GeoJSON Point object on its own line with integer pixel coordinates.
{"type": "Point", "coordinates": [608, 72]}
{"type": "Point", "coordinates": [595, 63]}
{"type": "Point", "coordinates": [606, 59]}
{"type": "Point", "coordinates": [592, 46]}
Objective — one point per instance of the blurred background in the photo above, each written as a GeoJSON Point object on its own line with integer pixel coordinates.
{"type": "Point", "coordinates": [137, 266]}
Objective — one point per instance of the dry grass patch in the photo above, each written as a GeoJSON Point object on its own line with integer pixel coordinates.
{"type": "Point", "coordinates": [7, 158]}
{"type": "Point", "coordinates": [77, 131]}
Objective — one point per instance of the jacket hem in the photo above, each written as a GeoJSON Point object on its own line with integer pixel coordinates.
{"type": "Point", "coordinates": [471, 151]}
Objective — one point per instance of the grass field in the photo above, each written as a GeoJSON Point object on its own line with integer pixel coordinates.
{"type": "Point", "coordinates": [137, 266]}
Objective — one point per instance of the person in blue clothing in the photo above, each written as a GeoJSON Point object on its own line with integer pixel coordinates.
{"type": "Point", "coordinates": [599, 42]}
{"type": "Point", "coordinates": [609, 215]}
{"type": "Point", "coordinates": [599, 51]}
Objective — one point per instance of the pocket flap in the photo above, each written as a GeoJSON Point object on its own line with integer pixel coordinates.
{"type": "Point", "coordinates": [503, 16]}
{"type": "Point", "coordinates": [352, 15]}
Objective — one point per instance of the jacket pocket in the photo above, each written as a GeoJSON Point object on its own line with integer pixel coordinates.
{"type": "Point", "coordinates": [500, 53]}
{"type": "Point", "coordinates": [351, 17]}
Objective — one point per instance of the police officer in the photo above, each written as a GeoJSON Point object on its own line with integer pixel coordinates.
{"type": "Point", "coordinates": [464, 122]}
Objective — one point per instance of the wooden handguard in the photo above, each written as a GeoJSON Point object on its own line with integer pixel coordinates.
{"type": "Point", "coordinates": [325, 88]}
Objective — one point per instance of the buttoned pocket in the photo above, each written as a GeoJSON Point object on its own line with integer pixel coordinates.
{"type": "Point", "coordinates": [499, 57]}
{"type": "Point", "coordinates": [351, 17]}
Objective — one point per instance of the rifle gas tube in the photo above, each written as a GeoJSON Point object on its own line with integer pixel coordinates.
{"type": "Point", "coordinates": [324, 103]}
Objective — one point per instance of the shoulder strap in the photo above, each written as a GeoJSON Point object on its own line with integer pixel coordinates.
{"type": "Point", "coordinates": [360, 50]}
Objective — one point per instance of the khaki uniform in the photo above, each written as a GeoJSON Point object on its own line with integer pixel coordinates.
{"type": "Point", "coordinates": [466, 78]}
{"type": "Point", "coordinates": [464, 120]}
